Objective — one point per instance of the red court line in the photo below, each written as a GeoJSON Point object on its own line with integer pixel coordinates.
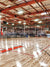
{"type": "Point", "coordinates": [9, 49]}
{"type": "Point", "coordinates": [30, 54]}
{"type": "Point", "coordinates": [25, 54]}
{"type": "Point", "coordinates": [45, 48]}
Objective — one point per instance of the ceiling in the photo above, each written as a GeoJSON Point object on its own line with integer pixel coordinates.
{"type": "Point", "coordinates": [32, 10]}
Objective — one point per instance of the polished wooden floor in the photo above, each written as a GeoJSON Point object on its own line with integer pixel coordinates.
{"type": "Point", "coordinates": [34, 53]}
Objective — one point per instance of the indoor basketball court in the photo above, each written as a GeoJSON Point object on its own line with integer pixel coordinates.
{"type": "Point", "coordinates": [24, 33]}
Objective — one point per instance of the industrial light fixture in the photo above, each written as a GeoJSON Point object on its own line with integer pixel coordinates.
{"type": "Point", "coordinates": [44, 13]}
{"type": "Point", "coordinates": [7, 23]}
{"type": "Point", "coordinates": [40, 22]}
{"type": "Point", "coordinates": [36, 20]}
{"type": "Point", "coordinates": [0, 16]}
{"type": "Point", "coordinates": [24, 23]}
{"type": "Point", "coordinates": [19, 22]}
{"type": "Point", "coordinates": [20, 12]}
{"type": "Point", "coordinates": [19, 0]}
{"type": "Point", "coordinates": [13, 24]}
{"type": "Point", "coordinates": [38, 26]}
